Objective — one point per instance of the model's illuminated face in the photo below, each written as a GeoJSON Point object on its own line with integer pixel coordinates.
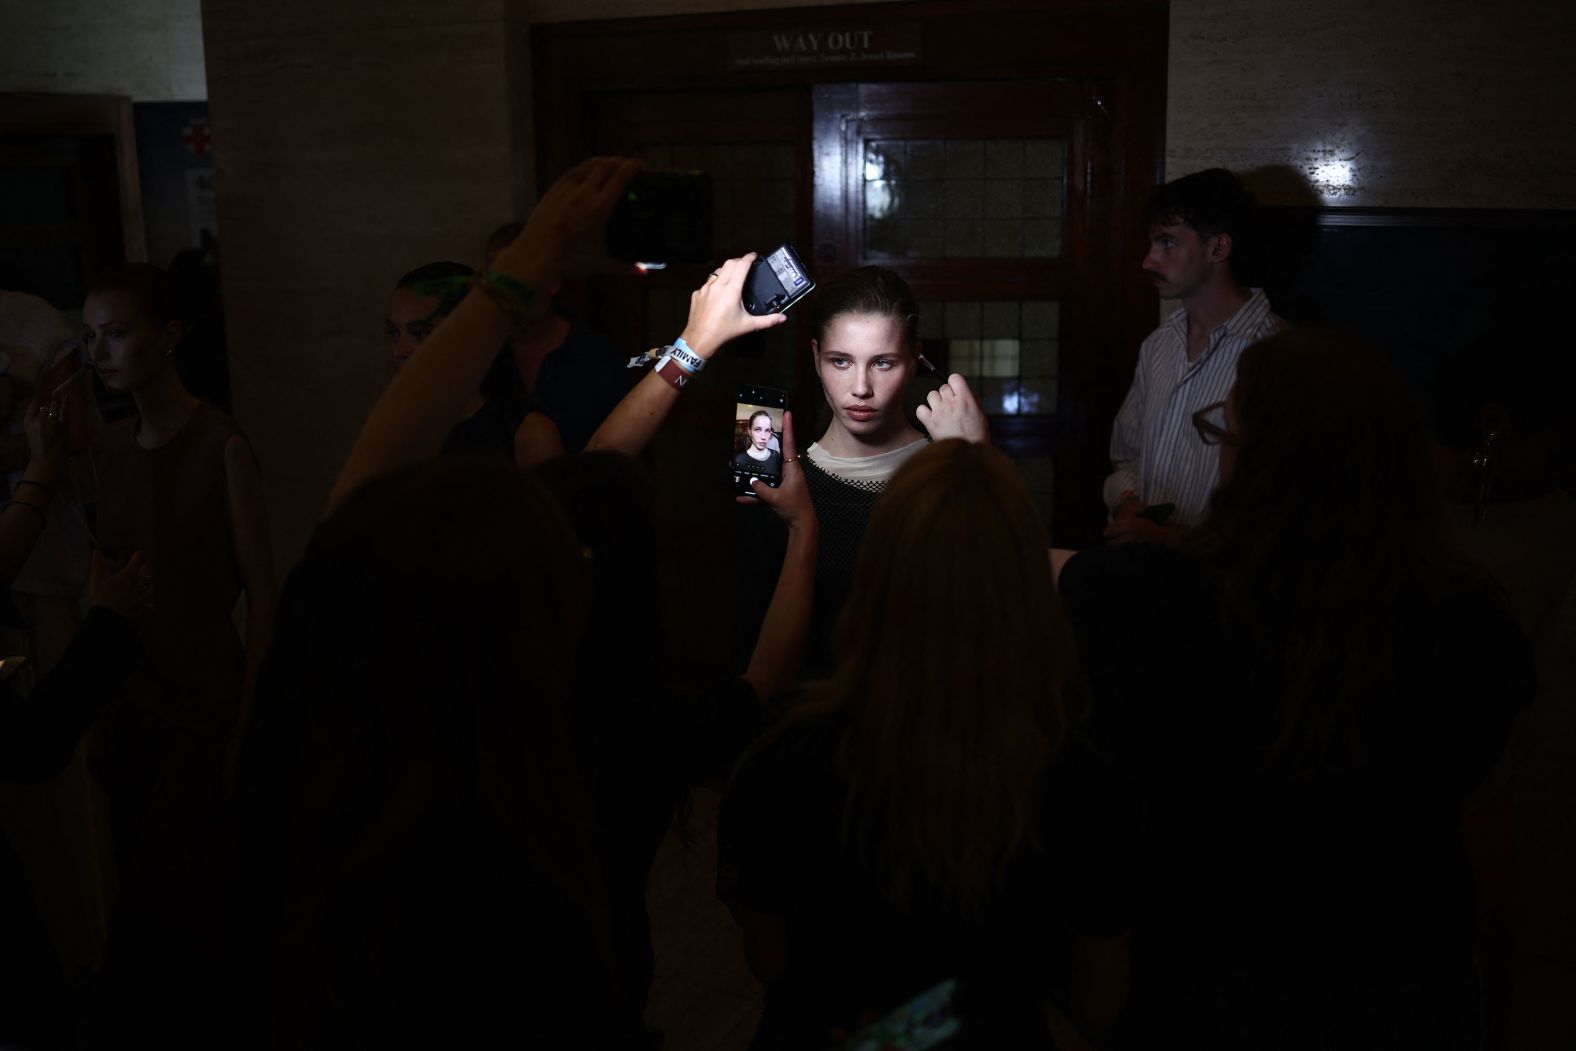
{"type": "Point", "coordinates": [864, 364]}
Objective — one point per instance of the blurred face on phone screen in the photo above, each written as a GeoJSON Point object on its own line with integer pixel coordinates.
{"type": "Point", "coordinates": [760, 431]}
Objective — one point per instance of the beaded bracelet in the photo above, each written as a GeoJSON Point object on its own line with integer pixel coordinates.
{"type": "Point", "coordinates": [511, 296]}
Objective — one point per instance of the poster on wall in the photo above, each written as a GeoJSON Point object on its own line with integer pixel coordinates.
{"type": "Point", "coordinates": [175, 163]}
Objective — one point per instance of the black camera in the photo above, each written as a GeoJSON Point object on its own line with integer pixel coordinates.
{"type": "Point", "coordinates": [664, 217]}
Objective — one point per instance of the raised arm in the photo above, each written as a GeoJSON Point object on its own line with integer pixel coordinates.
{"type": "Point", "coordinates": [716, 316]}
{"type": "Point", "coordinates": [430, 394]}
{"type": "Point", "coordinates": [23, 518]}
{"type": "Point", "coordinates": [778, 650]}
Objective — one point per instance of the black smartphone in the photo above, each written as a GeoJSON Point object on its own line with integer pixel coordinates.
{"type": "Point", "coordinates": [1158, 513]}
{"type": "Point", "coordinates": [777, 280]}
{"type": "Point", "coordinates": [757, 437]}
{"type": "Point", "coordinates": [663, 217]}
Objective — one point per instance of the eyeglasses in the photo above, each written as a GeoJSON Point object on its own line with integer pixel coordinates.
{"type": "Point", "coordinates": [1210, 423]}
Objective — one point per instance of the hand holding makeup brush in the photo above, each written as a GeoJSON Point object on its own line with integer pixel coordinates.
{"type": "Point", "coordinates": [952, 411]}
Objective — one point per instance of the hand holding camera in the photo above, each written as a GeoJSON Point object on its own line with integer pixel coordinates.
{"type": "Point", "coordinates": [717, 312]}
{"type": "Point", "coordinates": [564, 236]}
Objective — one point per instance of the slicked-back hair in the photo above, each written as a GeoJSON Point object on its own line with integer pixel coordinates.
{"type": "Point", "coordinates": [868, 290]}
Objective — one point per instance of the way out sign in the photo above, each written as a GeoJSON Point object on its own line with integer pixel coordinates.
{"type": "Point", "coordinates": [819, 48]}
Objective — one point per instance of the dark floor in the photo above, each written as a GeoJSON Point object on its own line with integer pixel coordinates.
{"type": "Point", "coordinates": [704, 997]}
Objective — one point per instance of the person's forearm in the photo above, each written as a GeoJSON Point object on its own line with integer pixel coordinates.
{"type": "Point", "coordinates": [21, 526]}
{"type": "Point", "coordinates": [780, 647]}
{"type": "Point", "coordinates": [430, 394]}
{"type": "Point", "coordinates": [631, 425]}
{"type": "Point", "coordinates": [636, 419]}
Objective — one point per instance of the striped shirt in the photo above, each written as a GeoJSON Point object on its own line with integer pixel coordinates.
{"type": "Point", "coordinates": [1155, 452]}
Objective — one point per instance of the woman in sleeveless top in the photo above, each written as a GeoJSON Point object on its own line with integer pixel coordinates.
{"type": "Point", "coordinates": [177, 482]}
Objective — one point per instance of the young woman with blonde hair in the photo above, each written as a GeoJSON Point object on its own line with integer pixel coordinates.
{"type": "Point", "coordinates": [926, 814]}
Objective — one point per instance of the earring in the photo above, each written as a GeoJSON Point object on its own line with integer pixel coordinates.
{"type": "Point", "coordinates": [169, 351]}
{"type": "Point", "coordinates": [1484, 460]}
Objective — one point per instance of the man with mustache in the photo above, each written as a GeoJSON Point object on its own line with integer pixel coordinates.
{"type": "Point", "coordinates": [1196, 225]}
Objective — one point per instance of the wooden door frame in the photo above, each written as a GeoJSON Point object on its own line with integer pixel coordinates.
{"type": "Point", "coordinates": [27, 113]}
{"type": "Point", "coordinates": [1120, 46]}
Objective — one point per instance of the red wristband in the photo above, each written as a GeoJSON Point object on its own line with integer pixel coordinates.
{"type": "Point", "coordinates": [674, 373]}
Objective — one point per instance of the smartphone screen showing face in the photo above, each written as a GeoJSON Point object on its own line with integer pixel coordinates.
{"type": "Point", "coordinates": [929, 1020]}
{"type": "Point", "coordinates": [757, 437]}
{"type": "Point", "coordinates": [776, 282]}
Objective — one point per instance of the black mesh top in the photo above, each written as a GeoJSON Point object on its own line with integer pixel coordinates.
{"type": "Point", "coordinates": [842, 507]}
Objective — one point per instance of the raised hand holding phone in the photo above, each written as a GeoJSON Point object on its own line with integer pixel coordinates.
{"type": "Point", "coordinates": [564, 236]}
{"type": "Point", "coordinates": [791, 497]}
{"type": "Point", "coordinates": [717, 312]}
{"type": "Point", "coordinates": [716, 316]}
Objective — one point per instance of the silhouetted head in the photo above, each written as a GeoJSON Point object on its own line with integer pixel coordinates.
{"type": "Point", "coordinates": [1327, 531]}
{"type": "Point", "coordinates": [411, 766]}
{"type": "Point", "coordinates": [952, 647]}
{"type": "Point", "coordinates": [1328, 438]}
{"type": "Point", "coordinates": [421, 299]}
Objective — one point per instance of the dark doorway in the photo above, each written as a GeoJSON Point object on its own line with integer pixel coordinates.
{"type": "Point", "coordinates": [996, 155]}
